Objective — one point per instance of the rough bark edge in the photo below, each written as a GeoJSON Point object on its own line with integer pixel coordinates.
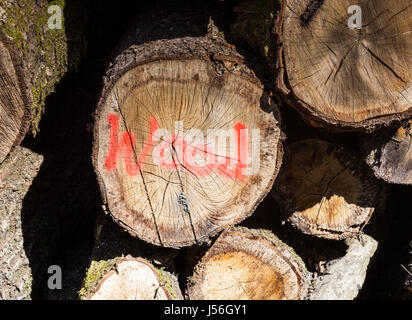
{"type": "Point", "coordinates": [188, 48]}
{"type": "Point", "coordinates": [302, 225]}
{"type": "Point", "coordinates": [311, 114]}
{"type": "Point", "coordinates": [99, 271]}
{"type": "Point", "coordinates": [18, 67]}
{"type": "Point", "coordinates": [268, 238]}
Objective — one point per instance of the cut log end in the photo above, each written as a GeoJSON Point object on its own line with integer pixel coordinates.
{"type": "Point", "coordinates": [391, 159]}
{"type": "Point", "coordinates": [128, 279]}
{"type": "Point", "coordinates": [249, 265]}
{"type": "Point", "coordinates": [342, 74]}
{"type": "Point", "coordinates": [185, 144]}
{"type": "Point", "coordinates": [325, 191]}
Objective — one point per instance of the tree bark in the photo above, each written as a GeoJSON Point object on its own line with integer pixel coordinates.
{"type": "Point", "coordinates": [165, 173]}
{"type": "Point", "coordinates": [16, 271]}
{"type": "Point", "coordinates": [33, 58]}
{"type": "Point", "coordinates": [389, 153]}
{"type": "Point", "coordinates": [343, 77]}
{"type": "Point", "coordinates": [249, 264]}
{"type": "Point", "coordinates": [325, 191]}
{"type": "Point", "coordinates": [118, 259]}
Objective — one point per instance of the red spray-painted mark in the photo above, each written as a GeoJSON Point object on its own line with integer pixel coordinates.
{"type": "Point", "coordinates": [125, 146]}
{"type": "Point", "coordinates": [185, 153]}
{"type": "Point", "coordinates": [114, 144]}
{"type": "Point", "coordinates": [242, 152]}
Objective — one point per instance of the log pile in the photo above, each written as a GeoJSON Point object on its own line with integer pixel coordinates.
{"type": "Point", "coordinates": [191, 135]}
{"type": "Point", "coordinates": [249, 265]}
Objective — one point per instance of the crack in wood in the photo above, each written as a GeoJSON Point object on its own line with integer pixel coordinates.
{"type": "Point", "coordinates": [310, 11]}
{"type": "Point", "coordinates": [141, 173]}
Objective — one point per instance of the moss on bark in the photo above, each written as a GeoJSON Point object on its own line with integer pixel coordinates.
{"type": "Point", "coordinates": [42, 51]}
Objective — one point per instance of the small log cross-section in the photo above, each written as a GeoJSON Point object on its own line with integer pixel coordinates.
{"type": "Point", "coordinates": [347, 63]}
{"type": "Point", "coordinates": [130, 279]}
{"type": "Point", "coordinates": [186, 140]}
{"type": "Point", "coordinates": [390, 154]}
{"type": "Point", "coordinates": [324, 190]}
{"type": "Point", "coordinates": [248, 264]}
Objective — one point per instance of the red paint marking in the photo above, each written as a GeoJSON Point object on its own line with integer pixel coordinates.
{"type": "Point", "coordinates": [242, 149]}
{"type": "Point", "coordinates": [231, 168]}
{"type": "Point", "coordinates": [132, 168]}
{"type": "Point", "coordinates": [148, 146]}
{"type": "Point", "coordinates": [114, 144]}
{"type": "Point", "coordinates": [125, 146]}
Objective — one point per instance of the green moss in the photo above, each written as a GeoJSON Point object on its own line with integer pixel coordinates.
{"type": "Point", "coordinates": [26, 17]}
{"type": "Point", "coordinates": [166, 281]}
{"type": "Point", "coordinates": [94, 274]}
{"type": "Point", "coordinates": [28, 284]}
{"type": "Point", "coordinates": [15, 24]}
{"type": "Point", "coordinates": [54, 45]}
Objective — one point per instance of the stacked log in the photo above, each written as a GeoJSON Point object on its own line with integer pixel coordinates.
{"type": "Point", "coordinates": [247, 264]}
{"type": "Point", "coordinates": [389, 153]}
{"type": "Point", "coordinates": [130, 278]}
{"type": "Point", "coordinates": [157, 92]}
{"type": "Point", "coordinates": [346, 76]}
{"type": "Point", "coordinates": [33, 58]}
{"type": "Point", "coordinates": [123, 268]}
{"type": "Point", "coordinates": [325, 190]}
{"type": "Point", "coordinates": [186, 140]}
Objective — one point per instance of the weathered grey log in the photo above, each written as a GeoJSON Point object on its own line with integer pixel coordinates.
{"type": "Point", "coordinates": [343, 278]}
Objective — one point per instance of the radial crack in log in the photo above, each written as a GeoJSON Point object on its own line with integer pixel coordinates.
{"type": "Point", "coordinates": [248, 264]}
{"type": "Point", "coordinates": [184, 143]}
{"type": "Point", "coordinates": [325, 191]}
{"type": "Point", "coordinates": [350, 78]}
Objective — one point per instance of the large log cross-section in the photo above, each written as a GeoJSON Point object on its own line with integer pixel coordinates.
{"type": "Point", "coordinates": [186, 140]}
